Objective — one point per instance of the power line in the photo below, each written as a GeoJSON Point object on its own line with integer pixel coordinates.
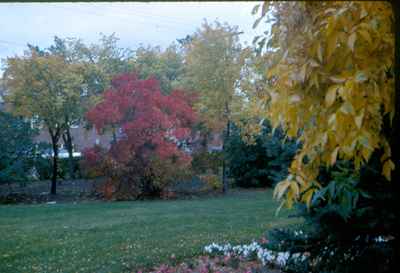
{"type": "Point", "coordinates": [160, 25]}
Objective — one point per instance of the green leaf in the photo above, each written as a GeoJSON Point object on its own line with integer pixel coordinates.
{"type": "Point", "coordinates": [332, 186]}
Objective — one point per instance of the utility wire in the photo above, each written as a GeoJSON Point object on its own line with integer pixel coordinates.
{"type": "Point", "coordinates": [159, 25]}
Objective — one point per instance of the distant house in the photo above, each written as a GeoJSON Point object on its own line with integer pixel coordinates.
{"type": "Point", "coordinates": [82, 138]}
{"type": "Point", "coordinates": [215, 143]}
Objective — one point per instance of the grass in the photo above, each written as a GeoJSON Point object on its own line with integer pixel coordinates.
{"type": "Point", "coordinates": [123, 236]}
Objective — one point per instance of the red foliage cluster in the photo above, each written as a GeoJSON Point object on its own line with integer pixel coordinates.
{"type": "Point", "coordinates": [149, 122]}
{"type": "Point", "coordinates": [151, 129]}
{"type": "Point", "coordinates": [93, 155]}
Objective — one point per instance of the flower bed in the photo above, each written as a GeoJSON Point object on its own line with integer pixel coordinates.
{"type": "Point", "coordinates": [254, 251]}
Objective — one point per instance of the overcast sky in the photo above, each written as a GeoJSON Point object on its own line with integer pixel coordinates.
{"type": "Point", "coordinates": [134, 23]}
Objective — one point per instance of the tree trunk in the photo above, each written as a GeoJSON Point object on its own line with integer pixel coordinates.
{"type": "Point", "coordinates": [224, 167]}
{"type": "Point", "coordinates": [68, 144]}
{"type": "Point", "coordinates": [114, 135]}
{"type": "Point", "coordinates": [54, 141]}
{"type": "Point", "coordinates": [55, 168]}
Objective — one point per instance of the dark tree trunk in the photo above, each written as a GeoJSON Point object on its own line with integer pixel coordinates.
{"type": "Point", "coordinates": [54, 141]}
{"type": "Point", "coordinates": [67, 138]}
{"type": "Point", "coordinates": [224, 164]}
{"type": "Point", "coordinates": [395, 132]}
{"type": "Point", "coordinates": [114, 135]}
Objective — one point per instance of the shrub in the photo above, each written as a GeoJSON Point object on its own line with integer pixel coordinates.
{"type": "Point", "coordinates": [43, 167]}
{"type": "Point", "coordinates": [92, 164]}
{"type": "Point", "coordinates": [262, 163]}
{"type": "Point", "coordinates": [349, 223]}
{"type": "Point", "coordinates": [212, 181]}
{"type": "Point", "coordinates": [205, 161]}
{"type": "Point", "coordinates": [18, 151]}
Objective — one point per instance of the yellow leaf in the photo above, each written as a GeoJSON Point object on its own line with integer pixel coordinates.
{"type": "Point", "coordinates": [303, 71]}
{"type": "Point", "coordinates": [281, 188]}
{"type": "Point", "coordinates": [337, 79]}
{"type": "Point", "coordinates": [365, 154]}
{"type": "Point", "coordinates": [289, 199]}
{"type": "Point", "coordinates": [313, 63]}
{"type": "Point", "coordinates": [307, 197]}
{"type": "Point", "coordinates": [332, 120]}
{"type": "Point", "coordinates": [347, 108]}
{"type": "Point", "coordinates": [331, 44]}
{"type": "Point", "coordinates": [300, 180]}
{"type": "Point", "coordinates": [351, 41]}
{"type": "Point", "coordinates": [331, 25]}
{"type": "Point", "coordinates": [295, 188]}
{"type": "Point", "coordinates": [271, 72]}
{"type": "Point", "coordinates": [294, 98]}
{"type": "Point", "coordinates": [334, 155]}
{"type": "Point", "coordinates": [324, 139]}
{"type": "Point", "coordinates": [331, 95]}
{"type": "Point", "coordinates": [387, 169]}
{"type": "Point", "coordinates": [358, 119]}
{"type": "Point", "coordinates": [365, 35]}
{"type": "Point", "coordinates": [319, 52]}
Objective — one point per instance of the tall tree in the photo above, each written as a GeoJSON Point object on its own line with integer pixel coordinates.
{"type": "Point", "coordinates": [42, 86]}
{"type": "Point", "coordinates": [213, 63]}
{"type": "Point", "coordinates": [68, 50]}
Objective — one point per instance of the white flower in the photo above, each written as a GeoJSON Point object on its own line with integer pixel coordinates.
{"type": "Point", "coordinates": [265, 256]}
{"type": "Point", "coordinates": [282, 258]}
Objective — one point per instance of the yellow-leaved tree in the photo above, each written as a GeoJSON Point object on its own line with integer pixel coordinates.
{"type": "Point", "coordinates": [213, 62]}
{"type": "Point", "coordinates": [331, 84]}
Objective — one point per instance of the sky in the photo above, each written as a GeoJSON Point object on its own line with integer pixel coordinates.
{"type": "Point", "coordinates": [140, 23]}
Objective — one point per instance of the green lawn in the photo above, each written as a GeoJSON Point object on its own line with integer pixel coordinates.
{"type": "Point", "coordinates": [122, 236]}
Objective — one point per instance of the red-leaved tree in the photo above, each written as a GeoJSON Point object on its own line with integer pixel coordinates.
{"type": "Point", "coordinates": [151, 131]}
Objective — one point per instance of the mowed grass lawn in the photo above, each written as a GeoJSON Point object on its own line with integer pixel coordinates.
{"type": "Point", "coordinates": [124, 236]}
